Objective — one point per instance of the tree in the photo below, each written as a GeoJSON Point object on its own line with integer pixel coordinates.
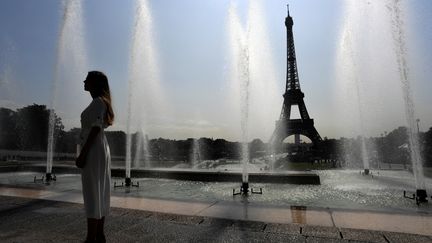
{"type": "Point", "coordinates": [8, 138]}
{"type": "Point", "coordinates": [117, 142]}
{"type": "Point", "coordinates": [67, 141]}
{"type": "Point", "coordinates": [396, 146]}
{"type": "Point", "coordinates": [257, 148]}
{"type": "Point", "coordinates": [427, 148]}
{"type": "Point", "coordinates": [32, 127]}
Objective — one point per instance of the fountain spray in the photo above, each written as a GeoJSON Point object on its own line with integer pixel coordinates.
{"type": "Point", "coordinates": [196, 153]}
{"type": "Point", "coordinates": [70, 48]}
{"type": "Point", "coordinates": [143, 85]}
{"type": "Point", "coordinates": [358, 88]}
{"type": "Point", "coordinates": [399, 39]}
{"type": "Point", "coordinates": [349, 65]}
{"type": "Point", "coordinates": [241, 55]}
{"type": "Point", "coordinates": [239, 42]}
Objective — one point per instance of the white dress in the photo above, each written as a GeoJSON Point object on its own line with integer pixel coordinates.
{"type": "Point", "coordinates": [96, 174]}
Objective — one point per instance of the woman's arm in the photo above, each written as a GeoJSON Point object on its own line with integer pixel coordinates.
{"type": "Point", "coordinates": [80, 161]}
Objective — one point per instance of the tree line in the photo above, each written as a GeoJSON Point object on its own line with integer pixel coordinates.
{"type": "Point", "coordinates": [26, 129]}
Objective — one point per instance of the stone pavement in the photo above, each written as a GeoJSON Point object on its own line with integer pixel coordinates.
{"type": "Point", "coordinates": [40, 220]}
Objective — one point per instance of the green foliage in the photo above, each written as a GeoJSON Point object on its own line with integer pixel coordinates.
{"type": "Point", "coordinates": [8, 138]}
{"type": "Point", "coordinates": [116, 141]}
{"type": "Point", "coordinates": [427, 147]}
{"type": "Point", "coordinates": [27, 128]}
{"type": "Point", "coordinates": [32, 127]}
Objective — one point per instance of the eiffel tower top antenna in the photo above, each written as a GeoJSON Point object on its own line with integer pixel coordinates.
{"type": "Point", "coordinates": [288, 9]}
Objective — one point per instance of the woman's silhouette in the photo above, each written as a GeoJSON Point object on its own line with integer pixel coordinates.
{"type": "Point", "coordinates": [94, 158]}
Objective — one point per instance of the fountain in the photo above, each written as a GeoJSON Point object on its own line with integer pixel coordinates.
{"type": "Point", "coordinates": [240, 52]}
{"type": "Point", "coordinates": [70, 61]}
{"type": "Point", "coordinates": [240, 41]}
{"type": "Point", "coordinates": [361, 56]}
{"type": "Point", "coordinates": [141, 157]}
{"type": "Point", "coordinates": [400, 46]}
{"type": "Point", "coordinates": [346, 47]}
{"type": "Point", "coordinates": [248, 80]}
{"type": "Point", "coordinates": [351, 74]}
{"type": "Point", "coordinates": [196, 153]}
{"type": "Point", "coordinates": [145, 96]}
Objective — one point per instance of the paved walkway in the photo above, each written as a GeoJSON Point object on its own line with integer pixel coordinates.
{"type": "Point", "coordinates": [37, 220]}
{"type": "Point", "coordinates": [32, 212]}
{"type": "Point", "coordinates": [414, 223]}
{"type": "Point", "coordinates": [33, 215]}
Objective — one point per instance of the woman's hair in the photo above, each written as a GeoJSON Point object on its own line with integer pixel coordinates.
{"type": "Point", "coordinates": [102, 90]}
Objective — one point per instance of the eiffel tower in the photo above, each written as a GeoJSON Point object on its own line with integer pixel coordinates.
{"type": "Point", "coordinates": [286, 126]}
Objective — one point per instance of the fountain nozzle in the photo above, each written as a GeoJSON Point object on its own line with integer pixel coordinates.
{"type": "Point", "coordinates": [420, 196]}
{"type": "Point", "coordinates": [366, 172]}
{"type": "Point", "coordinates": [244, 190]}
{"type": "Point", "coordinates": [128, 183]}
{"type": "Point", "coordinates": [49, 177]}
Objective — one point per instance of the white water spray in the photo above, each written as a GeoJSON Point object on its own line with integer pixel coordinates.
{"type": "Point", "coordinates": [69, 67]}
{"type": "Point", "coordinates": [145, 97]}
{"type": "Point", "coordinates": [240, 56]}
{"type": "Point", "coordinates": [363, 72]}
{"type": "Point", "coordinates": [398, 31]}
{"type": "Point", "coordinates": [368, 32]}
{"type": "Point", "coordinates": [348, 57]}
{"type": "Point", "coordinates": [196, 153]}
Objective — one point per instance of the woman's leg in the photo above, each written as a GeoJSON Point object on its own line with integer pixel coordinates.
{"type": "Point", "coordinates": [100, 234]}
{"type": "Point", "coordinates": [91, 230]}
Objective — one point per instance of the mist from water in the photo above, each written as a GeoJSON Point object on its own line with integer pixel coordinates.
{"type": "Point", "coordinates": [372, 57]}
{"type": "Point", "coordinates": [265, 96]}
{"type": "Point", "coordinates": [397, 14]}
{"type": "Point", "coordinates": [195, 156]}
{"type": "Point", "coordinates": [240, 77]}
{"type": "Point", "coordinates": [253, 80]}
{"type": "Point", "coordinates": [7, 61]}
{"type": "Point", "coordinates": [5, 79]}
{"type": "Point", "coordinates": [351, 76]}
{"type": "Point", "coordinates": [364, 71]}
{"type": "Point", "coordinates": [145, 96]}
{"type": "Point", "coordinates": [142, 151]}
{"type": "Point", "coordinates": [69, 69]}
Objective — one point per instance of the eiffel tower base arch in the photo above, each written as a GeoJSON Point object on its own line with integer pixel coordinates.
{"type": "Point", "coordinates": [286, 128]}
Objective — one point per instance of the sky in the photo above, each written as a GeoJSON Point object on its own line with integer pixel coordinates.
{"type": "Point", "coordinates": [191, 47]}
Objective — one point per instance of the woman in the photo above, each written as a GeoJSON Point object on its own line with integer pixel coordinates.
{"type": "Point", "coordinates": [94, 158]}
